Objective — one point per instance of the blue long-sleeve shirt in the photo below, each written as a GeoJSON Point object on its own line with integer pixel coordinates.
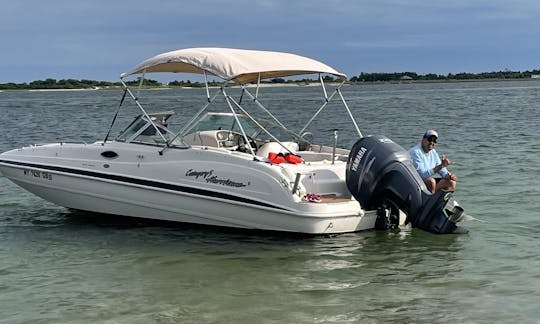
{"type": "Point", "coordinates": [424, 163]}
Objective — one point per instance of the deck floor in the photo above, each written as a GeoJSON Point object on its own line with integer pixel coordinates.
{"type": "Point", "coordinates": [333, 199]}
{"type": "Point", "coordinates": [329, 199]}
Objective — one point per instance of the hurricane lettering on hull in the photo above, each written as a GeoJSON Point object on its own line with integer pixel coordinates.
{"type": "Point", "coordinates": [209, 177]}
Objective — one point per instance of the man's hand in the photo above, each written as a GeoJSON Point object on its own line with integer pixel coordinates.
{"type": "Point", "coordinates": [445, 161]}
{"type": "Point", "coordinates": [451, 176]}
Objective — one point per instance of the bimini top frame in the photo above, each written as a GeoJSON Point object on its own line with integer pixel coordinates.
{"type": "Point", "coordinates": [240, 66]}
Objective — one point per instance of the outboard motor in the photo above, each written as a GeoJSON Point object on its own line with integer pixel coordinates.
{"type": "Point", "coordinates": [380, 175]}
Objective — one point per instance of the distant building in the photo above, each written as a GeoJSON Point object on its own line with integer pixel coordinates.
{"type": "Point", "coordinates": [535, 76]}
{"type": "Point", "coordinates": [405, 78]}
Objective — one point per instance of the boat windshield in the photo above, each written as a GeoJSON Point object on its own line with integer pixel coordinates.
{"type": "Point", "coordinates": [226, 121]}
{"type": "Point", "coordinates": [142, 131]}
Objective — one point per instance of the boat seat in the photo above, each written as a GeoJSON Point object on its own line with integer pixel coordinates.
{"type": "Point", "coordinates": [274, 147]}
{"type": "Point", "coordinates": [204, 138]}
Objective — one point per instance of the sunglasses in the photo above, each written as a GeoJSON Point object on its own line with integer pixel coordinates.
{"type": "Point", "coordinates": [432, 139]}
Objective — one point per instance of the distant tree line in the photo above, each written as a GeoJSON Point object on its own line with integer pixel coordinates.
{"type": "Point", "coordinates": [399, 76]}
{"type": "Point", "coordinates": [58, 84]}
{"type": "Point", "coordinates": [189, 84]}
{"type": "Point", "coordinates": [93, 84]}
{"type": "Point", "coordinates": [72, 84]}
{"type": "Point", "coordinates": [363, 77]}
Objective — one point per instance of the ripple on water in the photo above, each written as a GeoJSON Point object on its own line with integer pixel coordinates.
{"type": "Point", "coordinates": [78, 267]}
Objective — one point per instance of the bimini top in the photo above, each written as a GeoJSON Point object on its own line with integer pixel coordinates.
{"type": "Point", "coordinates": [239, 65]}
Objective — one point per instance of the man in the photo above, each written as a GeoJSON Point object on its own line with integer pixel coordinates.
{"type": "Point", "coordinates": [429, 166]}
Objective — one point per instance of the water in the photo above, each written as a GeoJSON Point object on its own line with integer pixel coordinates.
{"type": "Point", "coordinates": [62, 266]}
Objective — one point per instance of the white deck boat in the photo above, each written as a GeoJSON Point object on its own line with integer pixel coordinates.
{"type": "Point", "coordinates": [228, 167]}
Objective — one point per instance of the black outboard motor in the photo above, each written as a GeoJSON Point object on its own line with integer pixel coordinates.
{"type": "Point", "coordinates": [380, 175]}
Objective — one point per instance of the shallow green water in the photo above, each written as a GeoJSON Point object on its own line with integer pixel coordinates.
{"type": "Point", "coordinates": [58, 265]}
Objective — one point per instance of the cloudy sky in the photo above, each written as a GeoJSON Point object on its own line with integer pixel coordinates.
{"type": "Point", "coordinates": [99, 39]}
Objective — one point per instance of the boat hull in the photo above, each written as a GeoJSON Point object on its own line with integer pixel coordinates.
{"type": "Point", "coordinates": [132, 195]}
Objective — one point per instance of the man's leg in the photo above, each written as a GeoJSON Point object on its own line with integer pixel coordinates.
{"type": "Point", "coordinates": [446, 185]}
{"type": "Point", "coordinates": [430, 184]}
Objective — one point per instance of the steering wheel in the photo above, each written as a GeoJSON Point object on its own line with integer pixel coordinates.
{"type": "Point", "coordinates": [242, 147]}
{"type": "Point", "coordinates": [307, 140]}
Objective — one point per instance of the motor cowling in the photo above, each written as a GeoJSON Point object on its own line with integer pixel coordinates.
{"type": "Point", "coordinates": [380, 174]}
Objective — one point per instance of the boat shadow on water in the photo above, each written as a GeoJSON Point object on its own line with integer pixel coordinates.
{"type": "Point", "coordinates": [405, 235]}
{"type": "Point", "coordinates": [103, 220]}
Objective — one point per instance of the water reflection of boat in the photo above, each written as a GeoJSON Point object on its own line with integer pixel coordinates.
{"type": "Point", "coordinates": [228, 167]}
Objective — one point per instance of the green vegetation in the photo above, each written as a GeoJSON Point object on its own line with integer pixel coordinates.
{"type": "Point", "coordinates": [189, 84]}
{"type": "Point", "coordinates": [72, 84]}
{"type": "Point", "coordinates": [92, 84]}
{"type": "Point", "coordinates": [363, 77]}
{"type": "Point", "coordinates": [58, 84]}
{"type": "Point", "coordinates": [400, 76]}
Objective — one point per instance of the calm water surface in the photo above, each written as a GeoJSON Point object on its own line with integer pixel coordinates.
{"type": "Point", "coordinates": [62, 266]}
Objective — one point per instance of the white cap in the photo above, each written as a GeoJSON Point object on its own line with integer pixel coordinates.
{"type": "Point", "coordinates": [431, 132]}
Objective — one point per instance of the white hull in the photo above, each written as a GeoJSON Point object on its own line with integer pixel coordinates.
{"type": "Point", "coordinates": [71, 175]}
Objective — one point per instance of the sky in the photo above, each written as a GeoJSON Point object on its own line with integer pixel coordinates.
{"type": "Point", "coordinates": [100, 39]}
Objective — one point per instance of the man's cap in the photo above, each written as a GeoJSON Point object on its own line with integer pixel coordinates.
{"type": "Point", "coordinates": [431, 132]}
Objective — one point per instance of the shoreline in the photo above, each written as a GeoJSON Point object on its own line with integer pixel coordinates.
{"type": "Point", "coordinates": [291, 84]}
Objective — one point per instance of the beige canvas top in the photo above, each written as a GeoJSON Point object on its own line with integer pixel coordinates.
{"type": "Point", "coordinates": [239, 65]}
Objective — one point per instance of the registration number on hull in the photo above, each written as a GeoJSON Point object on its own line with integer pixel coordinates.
{"type": "Point", "coordinates": [38, 174]}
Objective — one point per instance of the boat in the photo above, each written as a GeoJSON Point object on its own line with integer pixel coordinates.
{"type": "Point", "coordinates": [234, 163]}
